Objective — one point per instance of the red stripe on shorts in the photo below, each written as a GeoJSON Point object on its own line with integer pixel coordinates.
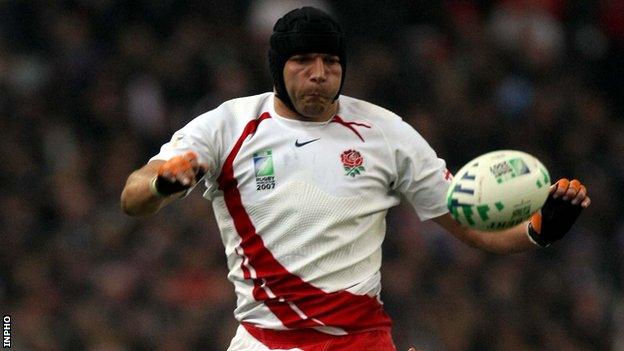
{"type": "Point", "coordinates": [312, 340]}
{"type": "Point", "coordinates": [337, 309]}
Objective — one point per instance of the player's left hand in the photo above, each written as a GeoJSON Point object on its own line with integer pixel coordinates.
{"type": "Point", "coordinates": [563, 206]}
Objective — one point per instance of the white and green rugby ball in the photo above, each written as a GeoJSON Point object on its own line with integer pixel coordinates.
{"type": "Point", "coordinates": [498, 190]}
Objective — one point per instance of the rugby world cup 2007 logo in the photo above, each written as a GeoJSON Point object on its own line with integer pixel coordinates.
{"type": "Point", "coordinates": [352, 162]}
{"type": "Point", "coordinates": [263, 168]}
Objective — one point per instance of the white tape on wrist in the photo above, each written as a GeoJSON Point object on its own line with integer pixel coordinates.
{"type": "Point", "coordinates": [153, 189]}
{"type": "Point", "coordinates": [531, 239]}
{"type": "Point", "coordinates": [528, 234]}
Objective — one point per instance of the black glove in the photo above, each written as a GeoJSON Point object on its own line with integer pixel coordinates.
{"type": "Point", "coordinates": [173, 173]}
{"type": "Point", "coordinates": [557, 215]}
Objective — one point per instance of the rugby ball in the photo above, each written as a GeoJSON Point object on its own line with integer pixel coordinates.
{"type": "Point", "coordinates": [498, 190]}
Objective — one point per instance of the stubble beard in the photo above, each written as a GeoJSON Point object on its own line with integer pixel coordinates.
{"type": "Point", "coordinates": [314, 109]}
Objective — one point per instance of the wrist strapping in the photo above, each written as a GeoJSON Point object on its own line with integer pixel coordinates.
{"type": "Point", "coordinates": [534, 237]}
{"type": "Point", "coordinates": [153, 188]}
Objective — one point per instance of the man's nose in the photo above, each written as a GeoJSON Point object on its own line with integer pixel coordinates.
{"type": "Point", "coordinates": [318, 70]}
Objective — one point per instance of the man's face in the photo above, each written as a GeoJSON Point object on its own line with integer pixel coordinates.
{"type": "Point", "coordinates": [312, 81]}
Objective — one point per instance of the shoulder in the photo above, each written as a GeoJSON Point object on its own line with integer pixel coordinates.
{"type": "Point", "coordinates": [227, 120]}
{"type": "Point", "coordinates": [381, 119]}
{"type": "Point", "coordinates": [363, 109]}
{"type": "Point", "coordinates": [243, 108]}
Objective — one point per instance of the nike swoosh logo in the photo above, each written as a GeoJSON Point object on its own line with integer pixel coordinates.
{"type": "Point", "coordinates": [298, 144]}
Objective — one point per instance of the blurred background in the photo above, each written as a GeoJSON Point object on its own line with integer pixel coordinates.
{"type": "Point", "coordinates": [90, 89]}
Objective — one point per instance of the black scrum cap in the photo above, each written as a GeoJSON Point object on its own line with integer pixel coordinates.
{"type": "Point", "coordinates": [300, 31]}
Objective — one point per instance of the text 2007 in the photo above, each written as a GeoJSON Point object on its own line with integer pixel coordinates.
{"type": "Point", "coordinates": [265, 186]}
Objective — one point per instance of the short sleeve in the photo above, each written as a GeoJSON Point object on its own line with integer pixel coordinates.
{"type": "Point", "coordinates": [196, 137]}
{"type": "Point", "coordinates": [422, 177]}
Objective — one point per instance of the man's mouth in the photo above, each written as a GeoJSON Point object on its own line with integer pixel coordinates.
{"type": "Point", "coordinates": [316, 95]}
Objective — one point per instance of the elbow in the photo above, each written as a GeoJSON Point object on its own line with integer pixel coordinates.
{"type": "Point", "coordinates": [129, 207]}
{"type": "Point", "coordinates": [134, 211]}
{"type": "Point", "coordinates": [126, 206]}
{"type": "Point", "coordinates": [128, 210]}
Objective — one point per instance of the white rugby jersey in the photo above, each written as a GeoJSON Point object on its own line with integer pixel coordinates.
{"type": "Point", "coordinates": [301, 206]}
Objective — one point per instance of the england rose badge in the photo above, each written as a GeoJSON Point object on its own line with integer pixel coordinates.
{"type": "Point", "coordinates": [352, 161]}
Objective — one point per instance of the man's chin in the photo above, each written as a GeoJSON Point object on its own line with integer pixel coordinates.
{"type": "Point", "coordinates": [313, 110]}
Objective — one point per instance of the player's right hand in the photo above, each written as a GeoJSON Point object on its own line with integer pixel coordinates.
{"type": "Point", "coordinates": [177, 174]}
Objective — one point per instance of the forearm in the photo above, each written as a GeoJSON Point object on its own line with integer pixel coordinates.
{"type": "Point", "coordinates": [562, 207]}
{"type": "Point", "coordinates": [504, 241]}
{"type": "Point", "coordinates": [137, 199]}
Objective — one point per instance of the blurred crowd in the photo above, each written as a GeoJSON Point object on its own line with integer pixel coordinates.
{"type": "Point", "coordinates": [90, 89]}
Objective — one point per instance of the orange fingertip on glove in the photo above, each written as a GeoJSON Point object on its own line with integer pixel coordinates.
{"type": "Point", "coordinates": [562, 184]}
{"type": "Point", "coordinates": [178, 164]}
{"type": "Point", "coordinates": [165, 183]}
{"type": "Point", "coordinates": [558, 214]}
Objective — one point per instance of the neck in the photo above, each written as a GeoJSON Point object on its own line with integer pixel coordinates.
{"type": "Point", "coordinates": [283, 110]}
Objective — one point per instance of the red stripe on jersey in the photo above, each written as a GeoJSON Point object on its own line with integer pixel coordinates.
{"type": "Point", "coordinates": [350, 125]}
{"type": "Point", "coordinates": [292, 296]}
{"type": "Point", "coordinates": [448, 175]}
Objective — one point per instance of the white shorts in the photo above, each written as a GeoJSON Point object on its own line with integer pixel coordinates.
{"type": "Point", "coordinates": [243, 341]}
